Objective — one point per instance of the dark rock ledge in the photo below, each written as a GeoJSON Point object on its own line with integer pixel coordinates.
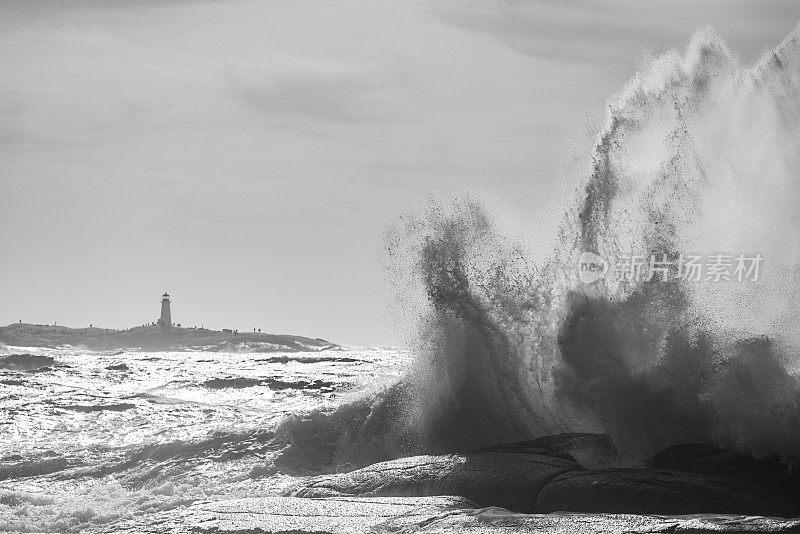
{"type": "Point", "coordinates": [532, 486]}
{"type": "Point", "coordinates": [541, 476]}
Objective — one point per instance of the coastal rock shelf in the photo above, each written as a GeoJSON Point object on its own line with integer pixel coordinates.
{"type": "Point", "coordinates": [531, 486]}
{"type": "Point", "coordinates": [512, 481]}
{"type": "Point", "coordinates": [541, 476]}
{"type": "Point", "coordinates": [440, 515]}
{"type": "Point", "coordinates": [336, 515]}
{"type": "Point", "coordinates": [540, 484]}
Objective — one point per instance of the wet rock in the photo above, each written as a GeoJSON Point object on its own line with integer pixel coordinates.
{"type": "Point", "coordinates": [499, 521]}
{"type": "Point", "coordinates": [434, 515]}
{"type": "Point", "coordinates": [512, 481]}
{"type": "Point", "coordinates": [769, 473]}
{"type": "Point", "coordinates": [318, 516]}
{"type": "Point", "coordinates": [534, 483]}
{"type": "Point", "coordinates": [590, 450]}
{"type": "Point", "coordinates": [660, 491]}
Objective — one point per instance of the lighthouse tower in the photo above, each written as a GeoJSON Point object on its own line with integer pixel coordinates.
{"type": "Point", "coordinates": [166, 316]}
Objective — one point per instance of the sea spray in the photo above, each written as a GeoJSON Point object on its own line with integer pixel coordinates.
{"type": "Point", "coordinates": [485, 341]}
{"type": "Point", "coordinates": [482, 370]}
{"type": "Point", "coordinates": [700, 155]}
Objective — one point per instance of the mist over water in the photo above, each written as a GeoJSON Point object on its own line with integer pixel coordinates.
{"type": "Point", "coordinates": [700, 155]}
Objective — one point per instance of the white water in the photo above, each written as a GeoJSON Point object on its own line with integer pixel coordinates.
{"type": "Point", "coordinates": [67, 430]}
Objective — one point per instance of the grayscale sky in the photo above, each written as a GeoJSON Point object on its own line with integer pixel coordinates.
{"type": "Point", "coordinates": [247, 155]}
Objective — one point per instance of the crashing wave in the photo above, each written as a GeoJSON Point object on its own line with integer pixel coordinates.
{"type": "Point", "coordinates": [699, 155]}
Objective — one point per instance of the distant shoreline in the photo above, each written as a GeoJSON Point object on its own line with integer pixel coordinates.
{"type": "Point", "coordinates": [149, 337]}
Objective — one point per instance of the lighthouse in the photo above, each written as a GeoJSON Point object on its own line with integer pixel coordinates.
{"type": "Point", "coordinates": [166, 316]}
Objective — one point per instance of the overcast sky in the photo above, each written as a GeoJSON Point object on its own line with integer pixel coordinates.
{"type": "Point", "coordinates": [246, 156]}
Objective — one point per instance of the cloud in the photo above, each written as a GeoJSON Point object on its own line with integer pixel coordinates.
{"type": "Point", "coordinates": [33, 6]}
{"type": "Point", "coordinates": [312, 88]}
{"type": "Point", "coordinates": [10, 110]}
{"type": "Point", "coordinates": [584, 30]}
{"type": "Point", "coordinates": [566, 30]}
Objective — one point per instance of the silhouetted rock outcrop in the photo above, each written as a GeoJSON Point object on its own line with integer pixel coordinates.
{"type": "Point", "coordinates": [512, 481]}
{"type": "Point", "coordinates": [540, 476]}
{"type": "Point", "coordinates": [660, 491]}
{"type": "Point", "coordinates": [769, 473]}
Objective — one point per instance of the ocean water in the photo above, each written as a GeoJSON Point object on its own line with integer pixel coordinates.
{"type": "Point", "coordinates": [92, 440]}
{"type": "Point", "coordinates": [699, 156]}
